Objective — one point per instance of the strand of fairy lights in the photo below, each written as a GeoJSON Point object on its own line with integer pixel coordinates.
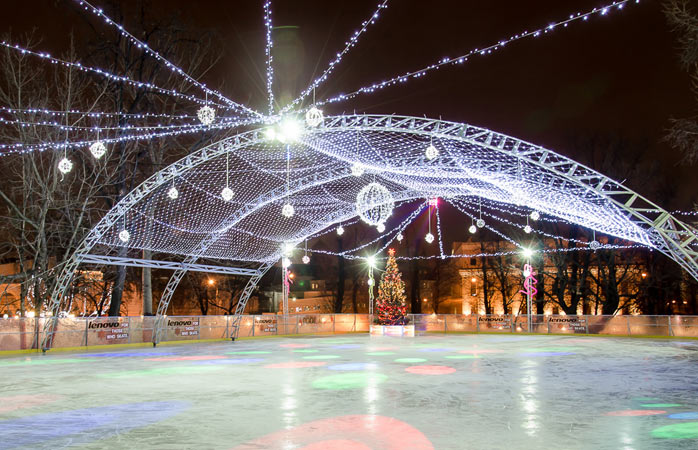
{"type": "Point", "coordinates": [94, 114]}
{"type": "Point", "coordinates": [172, 67]}
{"type": "Point", "coordinates": [60, 126]}
{"type": "Point", "coordinates": [338, 58]}
{"type": "Point", "coordinates": [21, 148]}
{"type": "Point", "coordinates": [486, 225]}
{"type": "Point", "coordinates": [580, 16]}
{"type": "Point", "coordinates": [109, 75]}
{"type": "Point", "coordinates": [438, 231]}
{"type": "Point", "coordinates": [267, 51]}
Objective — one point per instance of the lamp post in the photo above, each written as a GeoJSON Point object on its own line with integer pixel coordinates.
{"type": "Point", "coordinates": [529, 282]}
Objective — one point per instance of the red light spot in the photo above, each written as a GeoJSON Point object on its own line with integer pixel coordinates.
{"type": "Point", "coordinates": [430, 370]}
{"type": "Point", "coordinates": [294, 345]}
{"type": "Point", "coordinates": [185, 358]}
{"type": "Point", "coordinates": [15, 402]}
{"type": "Point", "coordinates": [635, 412]}
{"type": "Point", "coordinates": [295, 365]}
{"type": "Point", "coordinates": [346, 432]}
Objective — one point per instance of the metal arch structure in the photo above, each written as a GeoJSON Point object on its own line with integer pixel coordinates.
{"type": "Point", "coordinates": [496, 162]}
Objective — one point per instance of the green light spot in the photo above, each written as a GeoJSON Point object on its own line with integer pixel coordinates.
{"type": "Point", "coordinates": [321, 357]}
{"type": "Point", "coordinates": [410, 360]}
{"type": "Point", "coordinates": [660, 405]}
{"type": "Point", "coordinates": [40, 362]}
{"type": "Point", "coordinates": [182, 370]}
{"type": "Point", "coordinates": [380, 353]}
{"type": "Point", "coordinates": [686, 430]}
{"type": "Point", "coordinates": [249, 352]}
{"type": "Point", "coordinates": [306, 350]}
{"type": "Point", "coordinates": [462, 357]}
{"type": "Point", "coordinates": [351, 380]}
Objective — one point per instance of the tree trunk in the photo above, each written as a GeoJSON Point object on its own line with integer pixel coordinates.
{"type": "Point", "coordinates": [147, 286]}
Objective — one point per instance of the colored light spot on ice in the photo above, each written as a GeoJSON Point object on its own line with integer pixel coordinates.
{"type": "Point", "coordinates": [660, 405]}
{"type": "Point", "coordinates": [543, 354]}
{"type": "Point", "coordinates": [41, 362]}
{"type": "Point", "coordinates": [249, 352]}
{"type": "Point", "coordinates": [480, 351]}
{"type": "Point", "coordinates": [410, 360]}
{"type": "Point", "coordinates": [294, 365]}
{"type": "Point", "coordinates": [294, 345]}
{"type": "Point", "coordinates": [177, 370]}
{"type": "Point", "coordinates": [353, 366]}
{"type": "Point", "coordinates": [686, 430]}
{"type": "Point", "coordinates": [380, 353]}
{"type": "Point", "coordinates": [307, 350]}
{"type": "Point", "coordinates": [351, 380]}
{"type": "Point", "coordinates": [462, 356]}
{"type": "Point", "coordinates": [15, 402]}
{"type": "Point", "coordinates": [321, 357]}
{"type": "Point", "coordinates": [185, 358]}
{"type": "Point", "coordinates": [430, 370]}
{"type": "Point", "coordinates": [347, 346]}
{"type": "Point", "coordinates": [357, 432]}
{"type": "Point", "coordinates": [124, 355]}
{"type": "Point", "coordinates": [231, 361]}
{"type": "Point", "coordinates": [684, 416]}
{"type": "Point", "coordinates": [635, 412]}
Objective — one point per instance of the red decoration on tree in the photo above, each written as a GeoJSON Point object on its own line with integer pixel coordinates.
{"type": "Point", "coordinates": [391, 301]}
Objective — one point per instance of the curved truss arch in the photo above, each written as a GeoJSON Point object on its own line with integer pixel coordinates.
{"type": "Point", "coordinates": [473, 161]}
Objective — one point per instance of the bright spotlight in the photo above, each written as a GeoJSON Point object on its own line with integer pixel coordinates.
{"type": "Point", "coordinates": [371, 260]}
{"type": "Point", "coordinates": [290, 130]}
{"type": "Point", "coordinates": [527, 253]}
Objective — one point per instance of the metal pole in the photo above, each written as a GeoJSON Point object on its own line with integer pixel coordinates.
{"type": "Point", "coordinates": [528, 302]}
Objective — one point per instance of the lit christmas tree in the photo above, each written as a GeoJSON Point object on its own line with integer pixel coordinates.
{"type": "Point", "coordinates": [390, 303]}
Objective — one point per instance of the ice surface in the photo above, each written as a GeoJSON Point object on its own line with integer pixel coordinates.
{"type": "Point", "coordinates": [356, 392]}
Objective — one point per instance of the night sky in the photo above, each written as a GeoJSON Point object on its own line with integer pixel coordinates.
{"type": "Point", "coordinates": [616, 76]}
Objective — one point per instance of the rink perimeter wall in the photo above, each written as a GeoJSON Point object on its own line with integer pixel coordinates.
{"type": "Point", "coordinates": [25, 333]}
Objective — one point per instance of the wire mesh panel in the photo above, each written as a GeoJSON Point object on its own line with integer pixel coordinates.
{"type": "Point", "coordinates": [462, 323]}
{"type": "Point", "coordinates": [649, 325]}
{"type": "Point", "coordinates": [608, 325]}
{"type": "Point", "coordinates": [684, 326]}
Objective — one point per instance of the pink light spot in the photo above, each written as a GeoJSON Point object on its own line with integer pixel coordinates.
{"type": "Point", "coordinates": [635, 412]}
{"type": "Point", "coordinates": [294, 345]}
{"type": "Point", "coordinates": [16, 402]}
{"type": "Point", "coordinates": [336, 444]}
{"type": "Point", "coordinates": [380, 349]}
{"type": "Point", "coordinates": [358, 432]}
{"type": "Point", "coordinates": [430, 370]}
{"type": "Point", "coordinates": [185, 358]}
{"type": "Point", "coordinates": [479, 352]}
{"type": "Point", "coordinates": [295, 365]}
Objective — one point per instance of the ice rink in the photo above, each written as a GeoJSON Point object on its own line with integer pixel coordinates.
{"type": "Point", "coordinates": [356, 392]}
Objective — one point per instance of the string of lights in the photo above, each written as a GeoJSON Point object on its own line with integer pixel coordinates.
{"type": "Point", "coordinates": [92, 114]}
{"type": "Point", "coordinates": [126, 127]}
{"type": "Point", "coordinates": [438, 231]}
{"type": "Point", "coordinates": [172, 67]}
{"type": "Point", "coordinates": [270, 59]}
{"type": "Point", "coordinates": [106, 74]}
{"type": "Point", "coordinates": [338, 58]}
{"type": "Point", "coordinates": [575, 17]}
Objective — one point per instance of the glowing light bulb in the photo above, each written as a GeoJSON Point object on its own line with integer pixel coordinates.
{"type": "Point", "coordinates": [399, 237]}
{"type": "Point", "coordinates": [340, 230]}
{"type": "Point", "coordinates": [290, 130]}
{"type": "Point", "coordinates": [371, 282]}
{"type": "Point", "coordinates": [371, 260]}
{"type": "Point", "coordinates": [306, 259]}
{"type": "Point", "coordinates": [286, 263]}
{"type": "Point", "coordinates": [527, 252]}
{"type": "Point", "coordinates": [227, 194]}
{"type": "Point", "coordinates": [270, 134]}
{"type": "Point", "coordinates": [380, 227]}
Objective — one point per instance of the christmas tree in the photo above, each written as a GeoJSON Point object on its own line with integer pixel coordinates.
{"type": "Point", "coordinates": [390, 303]}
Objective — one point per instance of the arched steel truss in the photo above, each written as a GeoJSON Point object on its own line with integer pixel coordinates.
{"type": "Point", "coordinates": [672, 237]}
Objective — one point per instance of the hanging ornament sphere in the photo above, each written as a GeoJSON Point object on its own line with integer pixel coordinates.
{"type": "Point", "coordinates": [594, 245]}
{"type": "Point", "coordinates": [370, 282]}
{"type": "Point", "coordinates": [399, 237]}
{"type": "Point", "coordinates": [357, 170]}
{"type": "Point", "coordinates": [429, 238]}
{"type": "Point", "coordinates": [227, 194]}
{"type": "Point", "coordinates": [124, 235]}
{"type": "Point", "coordinates": [314, 117]}
{"type": "Point", "coordinates": [374, 204]}
{"type": "Point", "coordinates": [173, 193]}
{"type": "Point", "coordinates": [527, 229]}
{"type": "Point", "coordinates": [431, 152]}
{"type": "Point", "coordinates": [286, 263]}
{"type": "Point", "coordinates": [98, 150]}
{"type": "Point", "coordinates": [535, 215]}
{"type": "Point", "coordinates": [340, 230]}
{"type": "Point", "coordinates": [380, 227]}
{"type": "Point", "coordinates": [206, 115]}
{"type": "Point", "coordinates": [306, 259]}
{"type": "Point", "coordinates": [472, 229]}
{"type": "Point", "coordinates": [287, 211]}
{"type": "Point", "coordinates": [480, 223]}
{"type": "Point", "coordinates": [65, 166]}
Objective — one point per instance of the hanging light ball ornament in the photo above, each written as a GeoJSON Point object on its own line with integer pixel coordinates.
{"type": "Point", "coordinates": [535, 215]}
{"type": "Point", "coordinates": [286, 263]}
{"type": "Point", "coordinates": [287, 211]}
{"type": "Point", "coordinates": [306, 259]}
{"type": "Point", "coordinates": [206, 115]}
{"type": "Point", "coordinates": [98, 150]}
{"type": "Point", "coordinates": [227, 194]}
{"type": "Point", "coordinates": [374, 204]}
{"type": "Point", "coordinates": [594, 245]}
{"type": "Point", "coordinates": [472, 229]}
{"type": "Point", "coordinates": [124, 235]}
{"type": "Point", "coordinates": [480, 223]}
{"type": "Point", "coordinates": [429, 238]}
{"type": "Point", "coordinates": [357, 170]}
{"type": "Point", "coordinates": [370, 282]}
{"type": "Point", "coordinates": [399, 237]}
{"type": "Point", "coordinates": [173, 193]}
{"type": "Point", "coordinates": [432, 152]}
{"type": "Point", "coordinates": [65, 166]}
{"type": "Point", "coordinates": [527, 229]}
{"type": "Point", "coordinates": [340, 230]}
{"type": "Point", "coordinates": [380, 227]}
{"type": "Point", "coordinates": [314, 117]}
